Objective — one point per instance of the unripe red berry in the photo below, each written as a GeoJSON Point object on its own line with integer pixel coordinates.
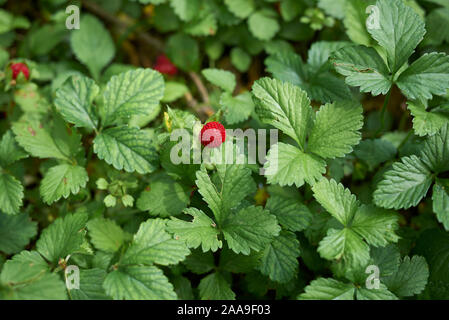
{"type": "Point", "coordinates": [165, 66]}
{"type": "Point", "coordinates": [213, 134]}
{"type": "Point", "coordinates": [18, 68]}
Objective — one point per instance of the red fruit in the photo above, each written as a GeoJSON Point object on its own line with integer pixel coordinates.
{"type": "Point", "coordinates": [213, 134]}
{"type": "Point", "coordinates": [18, 68]}
{"type": "Point", "coordinates": [164, 65]}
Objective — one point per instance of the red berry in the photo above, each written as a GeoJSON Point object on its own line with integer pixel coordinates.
{"type": "Point", "coordinates": [213, 134]}
{"type": "Point", "coordinates": [164, 65]}
{"type": "Point", "coordinates": [18, 68]}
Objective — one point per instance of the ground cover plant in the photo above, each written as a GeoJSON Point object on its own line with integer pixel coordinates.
{"type": "Point", "coordinates": [350, 201]}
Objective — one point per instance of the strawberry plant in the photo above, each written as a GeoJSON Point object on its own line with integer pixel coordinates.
{"type": "Point", "coordinates": [224, 149]}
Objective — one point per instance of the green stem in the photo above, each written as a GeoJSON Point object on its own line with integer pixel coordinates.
{"type": "Point", "coordinates": [405, 139]}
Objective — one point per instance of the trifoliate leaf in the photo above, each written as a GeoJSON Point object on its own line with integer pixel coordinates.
{"type": "Point", "coordinates": [126, 148]}
{"type": "Point", "coordinates": [91, 285]}
{"type": "Point", "coordinates": [74, 100]}
{"type": "Point", "coordinates": [426, 76]}
{"type": "Point", "coordinates": [377, 226]}
{"type": "Point", "coordinates": [92, 44]}
{"type": "Point", "coordinates": [153, 244]}
{"type": "Point", "coordinates": [287, 165]}
{"type": "Point", "coordinates": [435, 153]}
{"type": "Point", "coordinates": [105, 234]}
{"type": "Point", "coordinates": [61, 181]}
{"type": "Point", "coordinates": [241, 8]}
{"type": "Point", "coordinates": [63, 237]}
{"type": "Point", "coordinates": [336, 129]}
{"type": "Point", "coordinates": [11, 194]}
{"type": "Point", "coordinates": [221, 78]}
{"type": "Point", "coordinates": [263, 24]}
{"type": "Point", "coordinates": [236, 184]}
{"type": "Point", "coordinates": [135, 92]}
{"type": "Point", "coordinates": [15, 232]}
{"type": "Point", "coordinates": [238, 108]}
{"type": "Point", "coordinates": [215, 287]}
{"type": "Point", "coordinates": [10, 151]}
{"type": "Point", "coordinates": [404, 185]}
{"type": "Point", "coordinates": [290, 213]}
{"type": "Point", "coordinates": [427, 122]}
{"type": "Point", "coordinates": [284, 106]}
{"type": "Point", "coordinates": [139, 283]}
{"type": "Point", "coordinates": [400, 29]}
{"type": "Point", "coordinates": [337, 200]}
{"type": "Point", "coordinates": [410, 278]}
{"type": "Point", "coordinates": [363, 67]}
{"type": "Point", "coordinates": [165, 197]}
{"type": "Point", "coordinates": [202, 231]}
{"type": "Point", "coordinates": [280, 258]}
{"type": "Point", "coordinates": [250, 228]}
{"type": "Point", "coordinates": [440, 203]}
{"type": "Point", "coordinates": [328, 289]}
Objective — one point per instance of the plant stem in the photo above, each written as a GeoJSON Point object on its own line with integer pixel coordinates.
{"type": "Point", "coordinates": [382, 113]}
{"type": "Point", "coordinates": [405, 139]}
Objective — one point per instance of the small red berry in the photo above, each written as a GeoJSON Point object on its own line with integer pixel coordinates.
{"type": "Point", "coordinates": [164, 65]}
{"type": "Point", "coordinates": [213, 134]}
{"type": "Point", "coordinates": [18, 68]}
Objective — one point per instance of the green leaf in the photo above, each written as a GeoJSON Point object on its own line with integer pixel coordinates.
{"type": "Point", "coordinates": [153, 244]}
{"type": "Point", "coordinates": [139, 283]}
{"type": "Point", "coordinates": [91, 286]}
{"type": "Point", "coordinates": [126, 148]}
{"type": "Point", "coordinates": [410, 278]}
{"type": "Point", "coordinates": [173, 91]}
{"type": "Point", "coordinates": [287, 165]}
{"type": "Point", "coordinates": [15, 232]}
{"type": "Point", "coordinates": [328, 289]}
{"type": "Point", "coordinates": [284, 106]}
{"type": "Point", "coordinates": [10, 151]}
{"type": "Point", "coordinates": [404, 185]}
{"type": "Point", "coordinates": [61, 181]}
{"type": "Point", "coordinates": [135, 92]}
{"type": "Point", "coordinates": [11, 194]}
{"type": "Point", "coordinates": [344, 244]}
{"type": "Point", "coordinates": [236, 109]}
{"type": "Point", "coordinates": [400, 30]}
{"type": "Point", "coordinates": [105, 234]}
{"type": "Point", "coordinates": [236, 184]}
{"type": "Point", "coordinates": [45, 141]}
{"type": "Point", "coordinates": [385, 151]}
{"type": "Point", "coordinates": [202, 231]}
{"type": "Point", "coordinates": [440, 203]}
{"type": "Point", "coordinates": [183, 50]}
{"type": "Point", "coordinates": [290, 213]}
{"type": "Point", "coordinates": [165, 198]}
{"type": "Point", "coordinates": [337, 200]}
{"type": "Point", "coordinates": [215, 287]}
{"type": "Point", "coordinates": [280, 258]}
{"type": "Point", "coordinates": [74, 100]}
{"type": "Point", "coordinates": [241, 8]}
{"type": "Point", "coordinates": [377, 226]}
{"type": "Point", "coordinates": [186, 9]}
{"type": "Point", "coordinates": [263, 24]}
{"type": "Point", "coordinates": [382, 293]}
{"type": "Point", "coordinates": [221, 78]}
{"type": "Point", "coordinates": [355, 21]}
{"type": "Point", "coordinates": [363, 67]}
{"type": "Point", "coordinates": [250, 228]}
{"type": "Point", "coordinates": [92, 44]}
{"type": "Point", "coordinates": [240, 59]}
{"type": "Point", "coordinates": [426, 76]}
{"type": "Point", "coordinates": [63, 237]}
{"type": "Point", "coordinates": [336, 129]}
{"type": "Point", "coordinates": [435, 153]}
{"type": "Point", "coordinates": [427, 122]}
